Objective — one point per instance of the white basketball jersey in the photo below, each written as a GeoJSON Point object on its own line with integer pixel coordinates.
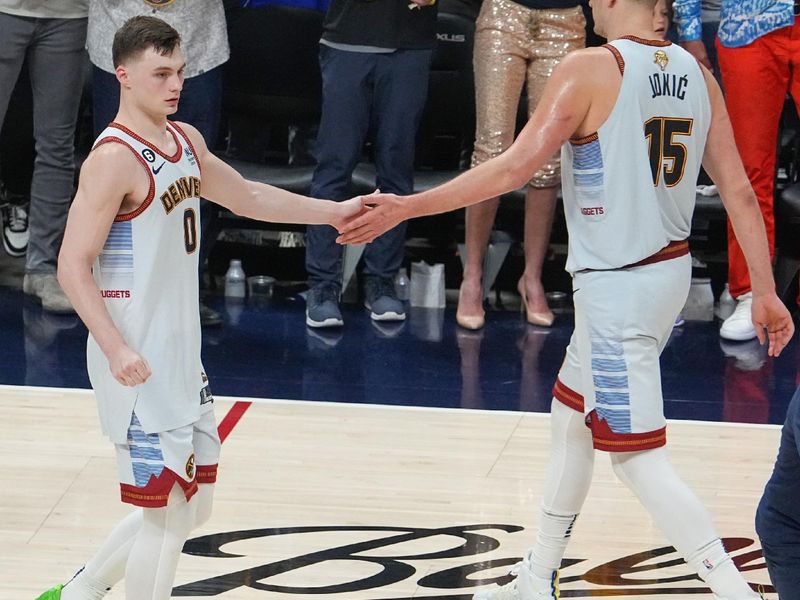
{"type": "Point", "coordinates": [147, 274]}
{"type": "Point", "coordinates": [629, 189]}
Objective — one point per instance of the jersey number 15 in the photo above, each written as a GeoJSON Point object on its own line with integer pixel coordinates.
{"type": "Point", "coordinates": [666, 154]}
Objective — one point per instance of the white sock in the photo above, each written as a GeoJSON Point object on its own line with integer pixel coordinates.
{"type": "Point", "coordinates": [84, 587]}
{"type": "Point", "coordinates": [569, 475]}
{"type": "Point", "coordinates": [551, 543]}
{"type": "Point", "coordinates": [682, 517]}
{"type": "Point", "coordinates": [716, 568]}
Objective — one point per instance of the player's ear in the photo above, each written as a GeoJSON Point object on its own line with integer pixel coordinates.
{"type": "Point", "coordinates": [122, 75]}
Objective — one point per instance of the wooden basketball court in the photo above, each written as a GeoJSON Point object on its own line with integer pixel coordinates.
{"type": "Point", "coordinates": [339, 501]}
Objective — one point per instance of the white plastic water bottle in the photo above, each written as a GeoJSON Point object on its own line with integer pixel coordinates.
{"type": "Point", "coordinates": [401, 284]}
{"type": "Point", "coordinates": [235, 280]}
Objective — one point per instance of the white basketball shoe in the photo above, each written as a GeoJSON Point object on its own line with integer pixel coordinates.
{"type": "Point", "coordinates": [526, 586]}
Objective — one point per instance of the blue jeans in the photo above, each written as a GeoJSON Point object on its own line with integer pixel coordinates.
{"type": "Point", "coordinates": [200, 106]}
{"type": "Point", "coordinates": [385, 91]}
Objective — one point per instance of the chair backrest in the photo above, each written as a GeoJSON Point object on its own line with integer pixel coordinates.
{"type": "Point", "coordinates": [273, 71]}
{"type": "Point", "coordinates": [447, 129]}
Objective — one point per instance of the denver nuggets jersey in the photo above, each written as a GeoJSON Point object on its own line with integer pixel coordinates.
{"type": "Point", "coordinates": [629, 189]}
{"type": "Point", "coordinates": [147, 275]}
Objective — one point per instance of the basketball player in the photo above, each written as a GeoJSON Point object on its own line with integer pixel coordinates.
{"type": "Point", "coordinates": [634, 118]}
{"type": "Point", "coordinates": [129, 266]}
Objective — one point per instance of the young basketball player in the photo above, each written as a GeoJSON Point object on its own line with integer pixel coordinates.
{"type": "Point", "coordinates": [634, 119]}
{"type": "Point", "coordinates": [129, 265]}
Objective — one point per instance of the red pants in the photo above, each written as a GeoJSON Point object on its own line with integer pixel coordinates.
{"type": "Point", "coordinates": [756, 78]}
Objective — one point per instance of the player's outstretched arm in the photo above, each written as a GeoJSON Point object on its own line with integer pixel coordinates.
{"type": "Point", "coordinates": [724, 165]}
{"type": "Point", "coordinates": [564, 105]}
{"type": "Point", "coordinates": [223, 185]}
{"type": "Point", "coordinates": [101, 191]}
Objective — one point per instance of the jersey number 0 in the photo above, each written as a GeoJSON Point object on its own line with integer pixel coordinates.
{"type": "Point", "coordinates": [190, 230]}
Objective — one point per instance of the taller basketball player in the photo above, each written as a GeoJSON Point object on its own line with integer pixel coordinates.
{"type": "Point", "coordinates": [129, 266]}
{"type": "Point", "coordinates": [634, 120]}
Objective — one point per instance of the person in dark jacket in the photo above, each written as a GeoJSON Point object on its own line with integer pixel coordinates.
{"type": "Point", "coordinates": [778, 515]}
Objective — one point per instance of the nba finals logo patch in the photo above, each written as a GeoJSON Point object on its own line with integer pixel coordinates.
{"type": "Point", "coordinates": [190, 467]}
{"type": "Point", "coordinates": [661, 59]}
{"type": "Point", "coordinates": [158, 3]}
{"type": "Point", "coordinates": [190, 155]}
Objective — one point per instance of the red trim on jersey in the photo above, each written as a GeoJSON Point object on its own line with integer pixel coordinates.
{"type": "Point", "coordinates": [672, 250]}
{"type": "Point", "coordinates": [617, 56]}
{"type": "Point", "coordinates": [668, 252]}
{"type": "Point", "coordinates": [231, 419]}
{"type": "Point", "coordinates": [567, 396]}
{"type": "Point", "coordinates": [152, 191]}
{"type": "Point", "coordinates": [206, 474]}
{"type": "Point", "coordinates": [587, 139]}
{"type": "Point", "coordinates": [608, 441]}
{"type": "Point", "coordinates": [156, 493]}
{"type": "Point", "coordinates": [188, 141]}
{"type": "Point", "coordinates": [638, 40]}
{"type": "Point", "coordinates": [173, 159]}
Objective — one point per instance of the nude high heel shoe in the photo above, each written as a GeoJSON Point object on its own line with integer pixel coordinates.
{"type": "Point", "coordinates": [543, 319]}
{"type": "Point", "coordinates": [471, 322]}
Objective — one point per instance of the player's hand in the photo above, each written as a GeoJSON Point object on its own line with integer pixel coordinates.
{"type": "Point", "coordinates": [382, 213]}
{"type": "Point", "coordinates": [698, 49]}
{"type": "Point", "coordinates": [346, 211]}
{"type": "Point", "coordinates": [128, 367]}
{"type": "Point", "coordinates": [771, 314]}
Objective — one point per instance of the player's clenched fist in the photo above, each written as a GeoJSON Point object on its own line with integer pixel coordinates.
{"type": "Point", "coordinates": [128, 367]}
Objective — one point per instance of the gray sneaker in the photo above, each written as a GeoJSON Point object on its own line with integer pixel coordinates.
{"type": "Point", "coordinates": [15, 229]}
{"type": "Point", "coordinates": [45, 287]}
{"type": "Point", "coordinates": [381, 299]}
{"type": "Point", "coordinates": [322, 306]}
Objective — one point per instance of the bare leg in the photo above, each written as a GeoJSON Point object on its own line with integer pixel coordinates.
{"type": "Point", "coordinates": [540, 204]}
{"type": "Point", "coordinates": [479, 223]}
{"type": "Point", "coordinates": [500, 69]}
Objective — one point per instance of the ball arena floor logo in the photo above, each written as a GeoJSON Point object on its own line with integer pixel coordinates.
{"type": "Point", "coordinates": [637, 574]}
